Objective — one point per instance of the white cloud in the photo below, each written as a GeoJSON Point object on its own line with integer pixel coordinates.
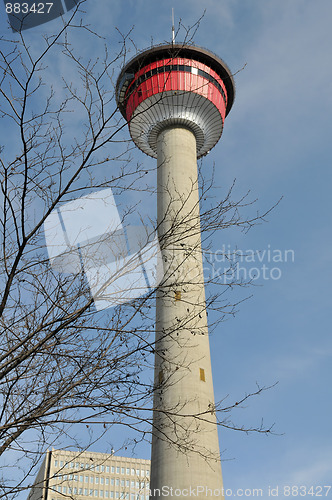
{"type": "Point", "coordinates": [305, 361]}
{"type": "Point", "coordinates": [317, 473]}
{"type": "Point", "coordinates": [308, 468]}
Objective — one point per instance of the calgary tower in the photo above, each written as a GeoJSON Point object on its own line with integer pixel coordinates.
{"type": "Point", "coordinates": [175, 99]}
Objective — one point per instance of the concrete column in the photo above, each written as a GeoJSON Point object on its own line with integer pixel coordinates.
{"type": "Point", "coordinates": [185, 449]}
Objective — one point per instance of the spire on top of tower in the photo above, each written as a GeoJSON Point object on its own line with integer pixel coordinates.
{"type": "Point", "coordinates": [173, 30]}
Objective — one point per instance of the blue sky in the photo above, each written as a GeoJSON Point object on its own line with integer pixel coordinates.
{"type": "Point", "coordinates": [276, 143]}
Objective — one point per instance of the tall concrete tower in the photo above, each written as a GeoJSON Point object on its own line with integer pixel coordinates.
{"type": "Point", "coordinates": [175, 99]}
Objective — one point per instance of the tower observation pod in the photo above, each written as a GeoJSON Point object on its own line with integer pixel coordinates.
{"type": "Point", "coordinates": [175, 99]}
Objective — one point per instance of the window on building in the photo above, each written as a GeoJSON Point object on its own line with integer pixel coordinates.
{"type": "Point", "coordinates": [117, 482]}
{"type": "Point", "coordinates": [106, 493]}
{"type": "Point", "coordinates": [137, 472]}
{"type": "Point", "coordinates": [96, 493]}
{"type": "Point", "coordinates": [107, 481]}
{"type": "Point", "coordinates": [91, 493]}
{"type": "Point", "coordinates": [97, 480]}
{"type": "Point", "coordinates": [122, 482]}
{"type": "Point", "coordinates": [61, 463]}
{"type": "Point", "coordinates": [127, 483]}
{"type": "Point", "coordinates": [101, 480]}
{"type": "Point", "coordinates": [112, 494]}
{"type": "Point", "coordinates": [71, 465]}
{"type": "Point", "coordinates": [112, 469]}
{"type": "Point", "coordinates": [132, 472]}
{"type": "Point", "coordinates": [117, 494]}
{"type": "Point", "coordinates": [64, 490]}
{"type": "Point", "coordinates": [55, 463]}
{"type": "Point", "coordinates": [102, 468]}
{"type": "Point", "coordinates": [122, 470]}
{"type": "Point", "coordinates": [147, 472]}
{"type": "Point", "coordinates": [85, 491]}
{"type": "Point", "coordinates": [86, 479]}
{"type": "Point", "coordinates": [112, 481]}
{"type": "Point", "coordinates": [133, 484]}
{"type": "Point", "coordinates": [97, 468]}
{"type": "Point", "coordinates": [202, 374]}
{"type": "Point", "coordinates": [91, 479]}
{"type": "Point", "coordinates": [80, 491]}
{"type": "Point", "coordinates": [107, 468]}
{"type": "Point", "coordinates": [75, 477]}
{"type": "Point", "coordinates": [75, 491]}
{"type": "Point", "coordinates": [101, 493]}
{"type": "Point", "coordinates": [59, 489]}
{"type": "Point", "coordinates": [71, 477]}
{"type": "Point", "coordinates": [118, 470]}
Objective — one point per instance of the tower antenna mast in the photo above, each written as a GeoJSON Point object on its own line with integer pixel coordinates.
{"type": "Point", "coordinates": [173, 30]}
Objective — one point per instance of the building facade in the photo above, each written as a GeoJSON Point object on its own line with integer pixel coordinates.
{"type": "Point", "coordinates": [79, 475]}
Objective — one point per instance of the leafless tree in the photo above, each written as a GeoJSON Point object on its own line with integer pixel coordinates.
{"type": "Point", "coordinates": [62, 363]}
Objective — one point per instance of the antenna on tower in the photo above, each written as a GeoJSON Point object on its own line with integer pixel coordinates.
{"type": "Point", "coordinates": [173, 30]}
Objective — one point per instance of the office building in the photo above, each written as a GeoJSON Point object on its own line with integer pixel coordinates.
{"type": "Point", "coordinates": [86, 475]}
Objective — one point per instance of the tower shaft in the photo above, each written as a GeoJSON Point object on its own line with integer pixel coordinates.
{"type": "Point", "coordinates": [185, 450]}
